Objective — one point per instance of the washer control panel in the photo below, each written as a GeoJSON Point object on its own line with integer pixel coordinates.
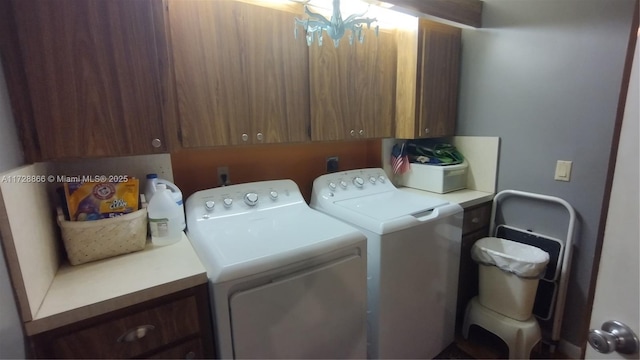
{"type": "Point", "coordinates": [242, 198]}
{"type": "Point", "coordinates": [352, 183]}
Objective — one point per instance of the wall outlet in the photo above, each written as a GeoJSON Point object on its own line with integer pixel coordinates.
{"type": "Point", "coordinates": [332, 164]}
{"type": "Point", "coordinates": [223, 176]}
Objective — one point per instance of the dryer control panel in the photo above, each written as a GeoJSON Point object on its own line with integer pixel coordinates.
{"type": "Point", "coordinates": [242, 198]}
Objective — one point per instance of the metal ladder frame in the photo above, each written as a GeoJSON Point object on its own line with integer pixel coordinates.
{"type": "Point", "coordinates": [566, 258]}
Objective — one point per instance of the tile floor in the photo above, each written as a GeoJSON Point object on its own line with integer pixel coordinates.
{"type": "Point", "coordinates": [485, 345]}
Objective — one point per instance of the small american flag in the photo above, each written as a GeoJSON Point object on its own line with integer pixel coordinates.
{"type": "Point", "coordinates": [399, 159]}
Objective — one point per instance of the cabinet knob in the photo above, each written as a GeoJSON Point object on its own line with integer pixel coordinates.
{"type": "Point", "coordinates": [245, 137]}
{"type": "Point", "coordinates": [190, 355]}
{"type": "Point", "coordinates": [475, 220]}
{"type": "Point", "coordinates": [156, 143]}
{"type": "Point", "coordinates": [426, 130]}
{"type": "Point", "coordinates": [135, 333]}
{"type": "Point", "coordinates": [361, 132]}
{"type": "Point", "coordinates": [259, 136]}
{"type": "Point", "coordinates": [352, 133]}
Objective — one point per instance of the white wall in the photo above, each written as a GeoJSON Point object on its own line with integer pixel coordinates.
{"type": "Point", "coordinates": [11, 338]}
{"type": "Point", "coordinates": [544, 76]}
{"type": "Point", "coordinates": [621, 245]}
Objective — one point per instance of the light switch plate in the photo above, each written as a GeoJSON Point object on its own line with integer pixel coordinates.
{"type": "Point", "coordinates": [563, 170]}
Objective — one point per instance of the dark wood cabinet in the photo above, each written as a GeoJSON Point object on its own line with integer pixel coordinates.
{"type": "Point", "coordinates": [189, 350]}
{"type": "Point", "coordinates": [129, 77]}
{"type": "Point", "coordinates": [174, 326]}
{"type": "Point", "coordinates": [353, 87]}
{"type": "Point", "coordinates": [93, 76]}
{"type": "Point", "coordinates": [438, 79]}
{"type": "Point", "coordinates": [475, 226]}
{"type": "Point", "coordinates": [241, 78]}
{"type": "Point", "coordinates": [428, 81]}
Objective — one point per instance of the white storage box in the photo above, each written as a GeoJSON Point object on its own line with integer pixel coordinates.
{"type": "Point", "coordinates": [435, 178]}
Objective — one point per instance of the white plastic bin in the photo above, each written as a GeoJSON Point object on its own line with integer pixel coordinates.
{"type": "Point", "coordinates": [509, 275]}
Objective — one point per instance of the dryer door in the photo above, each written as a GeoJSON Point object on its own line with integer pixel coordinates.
{"type": "Point", "coordinates": [316, 313]}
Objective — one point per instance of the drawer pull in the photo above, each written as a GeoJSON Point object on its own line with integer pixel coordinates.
{"type": "Point", "coordinates": [475, 220]}
{"type": "Point", "coordinates": [136, 333]}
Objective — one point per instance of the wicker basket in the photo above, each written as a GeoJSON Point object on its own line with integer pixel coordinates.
{"type": "Point", "coordinates": [87, 241]}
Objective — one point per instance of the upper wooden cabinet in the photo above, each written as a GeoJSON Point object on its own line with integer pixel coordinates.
{"type": "Point", "coordinates": [93, 78]}
{"type": "Point", "coordinates": [428, 80]}
{"type": "Point", "coordinates": [241, 78]}
{"type": "Point", "coordinates": [353, 87]}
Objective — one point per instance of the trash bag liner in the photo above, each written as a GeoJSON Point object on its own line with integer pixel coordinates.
{"type": "Point", "coordinates": [523, 260]}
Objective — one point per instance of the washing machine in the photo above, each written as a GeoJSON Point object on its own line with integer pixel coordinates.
{"type": "Point", "coordinates": [413, 260]}
{"type": "Point", "coordinates": [286, 281]}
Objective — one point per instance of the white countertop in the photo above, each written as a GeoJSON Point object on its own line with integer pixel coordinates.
{"type": "Point", "coordinates": [465, 198]}
{"type": "Point", "coordinates": [83, 291]}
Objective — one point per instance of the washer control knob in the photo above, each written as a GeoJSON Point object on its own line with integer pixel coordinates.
{"type": "Point", "coordinates": [227, 202]}
{"type": "Point", "coordinates": [381, 179]}
{"type": "Point", "coordinates": [209, 205]}
{"type": "Point", "coordinates": [372, 180]}
{"type": "Point", "coordinates": [251, 199]}
{"type": "Point", "coordinates": [343, 184]}
{"type": "Point", "coordinates": [273, 195]}
{"type": "Point", "coordinates": [358, 181]}
{"type": "Point", "coordinates": [332, 186]}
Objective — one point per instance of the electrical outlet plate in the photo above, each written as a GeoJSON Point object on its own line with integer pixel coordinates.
{"type": "Point", "coordinates": [563, 170]}
{"type": "Point", "coordinates": [223, 170]}
{"type": "Point", "coordinates": [332, 164]}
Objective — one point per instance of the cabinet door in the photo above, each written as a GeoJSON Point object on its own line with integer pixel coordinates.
{"type": "Point", "coordinates": [438, 78]}
{"type": "Point", "coordinates": [93, 76]}
{"type": "Point", "coordinates": [353, 87]}
{"type": "Point", "coordinates": [239, 73]}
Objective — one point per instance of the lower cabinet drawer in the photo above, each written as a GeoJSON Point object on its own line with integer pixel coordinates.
{"type": "Point", "coordinates": [189, 350]}
{"type": "Point", "coordinates": [476, 217]}
{"type": "Point", "coordinates": [132, 335]}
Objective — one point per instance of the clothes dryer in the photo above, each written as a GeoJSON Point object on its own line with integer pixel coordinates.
{"type": "Point", "coordinates": [413, 260]}
{"type": "Point", "coordinates": [286, 281]}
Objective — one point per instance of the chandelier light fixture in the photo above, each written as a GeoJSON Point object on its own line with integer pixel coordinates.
{"type": "Point", "coordinates": [335, 28]}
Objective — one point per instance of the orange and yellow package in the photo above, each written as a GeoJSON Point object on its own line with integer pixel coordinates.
{"type": "Point", "coordinates": [101, 200]}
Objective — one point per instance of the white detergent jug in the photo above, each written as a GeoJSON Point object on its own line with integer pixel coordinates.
{"type": "Point", "coordinates": [165, 217]}
{"type": "Point", "coordinates": [176, 194]}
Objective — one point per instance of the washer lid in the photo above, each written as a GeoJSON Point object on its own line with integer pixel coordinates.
{"type": "Point", "coordinates": [389, 205]}
{"type": "Point", "coordinates": [239, 246]}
